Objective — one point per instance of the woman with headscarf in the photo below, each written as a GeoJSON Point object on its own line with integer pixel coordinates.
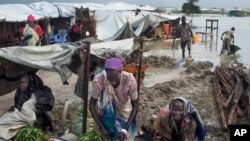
{"type": "Point", "coordinates": [32, 100]}
{"type": "Point", "coordinates": [118, 101]}
{"type": "Point", "coordinates": [175, 123]}
{"type": "Point", "coordinates": [33, 33]}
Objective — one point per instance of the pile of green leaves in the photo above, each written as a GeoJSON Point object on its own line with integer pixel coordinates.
{"type": "Point", "coordinates": [29, 133]}
{"type": "Point", "coordinates": [90, 136]}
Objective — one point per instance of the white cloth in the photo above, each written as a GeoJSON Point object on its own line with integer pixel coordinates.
{"type": "Point", "coordinates": [10, 123]}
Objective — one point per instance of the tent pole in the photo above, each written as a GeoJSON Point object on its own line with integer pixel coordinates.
{"type": "Point", "coordinates": [85, 88]}
{"type": "Point", "coordinates": [4, 32]}
{"type": "Point", "coordinates": [139, 68]}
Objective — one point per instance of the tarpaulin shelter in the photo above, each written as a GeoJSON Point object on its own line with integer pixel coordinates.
{"type": "Point", "coordinates": [62, 58]}
{"type": "Point", "coordinates": [122, 6]}
{"type": "Point", "coordinates": [146, 19]}
{"type": "Point", "coordinates": [15, 14]}
{"type": "Point", "coordinates": [52, 11]}
{"type": "Point", "coordinates": [91, 6]}
{"type": "Point", "coordinates": [18, 12]}
{"type": "Point", "coordinates": [111, 26]}
{"type": "Point", "coordinates": [17, 60]}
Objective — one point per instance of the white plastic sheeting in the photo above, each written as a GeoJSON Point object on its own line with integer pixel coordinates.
{"type": "Point", "coordinates": [2, 17]}
{"type": "Point", "coordinates": [121, 47]}
{"type": "Point", "coordinates": [108, 23]}
{"type": "Point", "coordinates": [117, 6]}
{"type": "Point", "coordinates": [145, 19]}
{"type": "Point", "coordinates": [111, 23]}
{"type": "Point", "coordinates": [18, 12]}
{"type": "Point", "coordinates": [121, 6]}
{"type": "Point", "coordinates": [40, 10]}
{"type": "Point", "coordinates": [91, 6]}
{"type": "Point", "coordinates": [51, 57]}
{"type": "Point", "coordinates": [52, 11]}
{"type": "Point", "coordinates": [45, 8]}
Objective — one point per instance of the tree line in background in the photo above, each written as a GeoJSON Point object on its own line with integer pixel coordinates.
{"type": "Point", "coordinates": [190, 7]}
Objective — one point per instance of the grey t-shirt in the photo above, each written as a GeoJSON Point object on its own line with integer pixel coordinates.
{"type": "Point", "coordinates": [185, 32]}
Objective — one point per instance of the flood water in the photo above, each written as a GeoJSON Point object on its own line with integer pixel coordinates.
{"type": "Point", "coordinates": [210, 50]}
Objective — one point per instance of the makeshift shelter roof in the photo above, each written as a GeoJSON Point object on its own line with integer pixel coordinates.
{"type": "Point", "coordinates": [120, 47]}
{"type": "Point", "coordinates": [91, 6]}
{"type": "Point", "coordinates": [111, 24]}
{"type": "Point", "coordinates": [121, 6]}
{"type": "Point", "coordinates": [18, 12]}
{"type": "Point", "coordinates": [61, 58]}
{"type": "Point", "coordinates": [45, 9]}
{"type": "Point", "coordinates": [146, 8]}
{"type": "Point", "coordinates": [145, 19]}
{"type": "Point", "coordinates": [108, 23]}
{"type": "Point", "coordinates": [15, 61]}
{"type": "Point", "coordinates": [2, 18]}
{"type": "Point", "coordinates": [50, 10]}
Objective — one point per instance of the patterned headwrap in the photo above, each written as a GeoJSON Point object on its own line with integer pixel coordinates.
{"type": "Point", "coordinates": [114, 63]}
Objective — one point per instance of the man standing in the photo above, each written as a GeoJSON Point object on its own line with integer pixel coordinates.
{"type": "Point", "coordinates": [228, 38]}
{"type": "Point", "coordinates": [118, 101]}
{"type": "Point", "coordinates": [186, 35]}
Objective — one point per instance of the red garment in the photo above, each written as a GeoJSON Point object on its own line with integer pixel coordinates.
{"type": "Point", "coordinates": [76, 28]}
{"type": "Point", "coordinates": [39, 31]}
{"type": "Point", "coordinates": [20, 30]}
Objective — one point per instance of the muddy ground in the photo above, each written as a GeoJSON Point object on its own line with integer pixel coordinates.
{"type": "Point", "coordinates": [198, 88]}
{"type": "Point", "coordinates": [192, 82]}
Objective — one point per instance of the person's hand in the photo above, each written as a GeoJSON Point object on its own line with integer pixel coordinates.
{"type": "Point", "coordinates": [122, 136]}
{"type": "Point", "coordinates": [12, 109]}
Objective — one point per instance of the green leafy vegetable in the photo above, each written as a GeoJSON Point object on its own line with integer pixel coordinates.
{"type": "Point", "coordinates": [90, 136]}
{"type": "Point", "coordinates": [29, 133]}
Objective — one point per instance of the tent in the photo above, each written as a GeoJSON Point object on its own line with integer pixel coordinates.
{"type": "Point", "coordinates": [108, 25]}
{"type": "Point", "coordinates": [18, 12]}
{"type": "Point", "coordinates": [51, 11]}
{"type": "Point", "coordinates": [15, 61]}
{"type": "Point", "coordinates": [146, 19]}
{"type": "Point", "coordinates": [121, 47]}
{"type": "Point", "coordinates": [122, 6]}
{"type": "Point", "coordinates": [64, 59]}
{"type": "Point", "coordinates": [91, 6]}
{"type": "Point", "coordinates": [60, 58]}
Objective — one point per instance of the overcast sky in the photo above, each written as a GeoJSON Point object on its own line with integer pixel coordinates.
{"type": "Point", "coordinates": [157, 3]}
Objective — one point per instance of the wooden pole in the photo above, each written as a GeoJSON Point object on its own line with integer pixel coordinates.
{"type": "Point", "coordinates": [206, 32]}
{"type": "Point", "coordinates": [139, 68]}
{"type": "Point", "coordinates": [85, 88]}
{"type": "Point", "coordinates": [217, 33]}
{"type": "Point", "coordinates": [4, 33]}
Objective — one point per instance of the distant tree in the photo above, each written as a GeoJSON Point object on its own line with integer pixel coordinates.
{"type": "Point", "coordinates": [189, 7]}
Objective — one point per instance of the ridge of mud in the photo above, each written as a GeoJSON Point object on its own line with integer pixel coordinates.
{"type": "Point", "coordinates": [198, 88]}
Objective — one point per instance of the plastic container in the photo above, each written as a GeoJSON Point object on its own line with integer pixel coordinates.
{"type": "Point", "coordinates": [195, 38]}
